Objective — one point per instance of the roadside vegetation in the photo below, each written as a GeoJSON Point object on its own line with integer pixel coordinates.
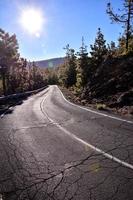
{"type": "Point", "coordinates": [16, 73]}
{"type": "Point", "coordinates": [103, 76]}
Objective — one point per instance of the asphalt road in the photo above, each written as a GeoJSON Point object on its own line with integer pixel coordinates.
{"type": "Point", "coordinates": [51, 149]}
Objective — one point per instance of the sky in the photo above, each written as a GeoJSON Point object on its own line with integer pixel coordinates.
{"type": "Point", "coordinates": [63, 22]}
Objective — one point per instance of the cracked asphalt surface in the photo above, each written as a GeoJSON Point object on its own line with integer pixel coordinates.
{"type": "Point", "coordinates": [39, 160]}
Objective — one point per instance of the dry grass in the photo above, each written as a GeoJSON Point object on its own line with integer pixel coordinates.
{"type": "Point", "coordinates": [101, 106]}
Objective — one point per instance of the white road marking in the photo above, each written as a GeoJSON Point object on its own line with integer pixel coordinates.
{"type": "Point", "coordinates": [2, 115]}
{"type": "Point", "coordinates": [95, 112]}
{"type": "Point", "coordinates": [11, 107]}
{"type": "Point", "coordinates": [105, 154]}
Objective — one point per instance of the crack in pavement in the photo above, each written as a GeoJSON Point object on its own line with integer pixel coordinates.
{"type": "Point", "coordinates": [24, 176]}
{"type": "Point", "coordinates": [113, 158]}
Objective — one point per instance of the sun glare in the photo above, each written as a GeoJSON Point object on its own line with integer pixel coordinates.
{"type": "Point", "coordinates": [32, 20]}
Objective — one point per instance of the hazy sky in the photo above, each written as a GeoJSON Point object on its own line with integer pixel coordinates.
{"type": "Point", "coordinates": [64, 21]}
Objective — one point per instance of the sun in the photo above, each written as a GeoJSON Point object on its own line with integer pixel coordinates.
{"type": "Point", "coordinates": [32, 21]}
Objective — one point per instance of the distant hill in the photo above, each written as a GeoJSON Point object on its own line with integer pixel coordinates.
{"type": "Point", "coordinates": [50, 63]}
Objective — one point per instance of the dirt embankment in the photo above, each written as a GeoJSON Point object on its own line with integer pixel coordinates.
{"type": "Point", "coordinates": [110, 87]}
{"type": "Point", "coordinates": [125, 111]}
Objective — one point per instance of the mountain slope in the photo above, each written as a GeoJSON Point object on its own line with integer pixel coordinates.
{"type": "Point", "coordinates": [50, 63]}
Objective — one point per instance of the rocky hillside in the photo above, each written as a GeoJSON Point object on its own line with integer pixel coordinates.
{"type": "Point", "coordinates": [112, 83]}
{"type": "Point", "coordinates": [50, 63]}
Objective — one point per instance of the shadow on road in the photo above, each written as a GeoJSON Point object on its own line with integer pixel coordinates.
{"type": "Point", "coordinates": [6, 106]}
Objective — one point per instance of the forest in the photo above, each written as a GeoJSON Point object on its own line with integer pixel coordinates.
{"type": "Point", "coordinates": [105, 74]}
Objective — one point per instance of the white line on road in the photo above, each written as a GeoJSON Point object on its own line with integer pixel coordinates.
{"type": "Point", "coordinates": [113, 158]}
{"type": "Point", "coordinates": [3, 114]}
{"type": "Point", "coordinates": [11, 107]}
{"type": "Point", "coordinates": [96, 112]}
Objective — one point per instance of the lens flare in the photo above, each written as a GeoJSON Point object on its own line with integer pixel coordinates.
{"type": "Point", "coordinates": [32, 21]}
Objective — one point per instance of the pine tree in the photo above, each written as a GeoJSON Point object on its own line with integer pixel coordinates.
{"type": "Point", "coordinates": [83, 66]}
{"type": "Point", "coordinates": [71, 69]}
{"type": "Point", "coordinates": [62, 74]}
{"type": "Point", "coordinates": [24, 74]}
{"type": "Point", "coordinates": [112, 50]}
{"type": "Point", "coordinates": [8, 56]}
{"type": "Point", "coordinates": [69, 77]}
{"type": "Point", "coordinates": [125, 17]}
{"type": "Point", "coordinates": [37, 77]}
{"type": "Point", "coordinates": [16, 73]}
{"type": "Point", "coordinates": [98, 50]}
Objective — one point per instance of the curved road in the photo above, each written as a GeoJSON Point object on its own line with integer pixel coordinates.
{"type": "Point", "coordinates": [51, 149]}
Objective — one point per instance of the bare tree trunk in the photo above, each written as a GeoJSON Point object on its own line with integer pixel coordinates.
{"type": "Point", "coordinates": [128, 26]}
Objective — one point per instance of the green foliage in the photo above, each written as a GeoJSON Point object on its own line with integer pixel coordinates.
{"type": "Point", "coordinates": [51, 76]}
{"type": "Point", "coordinates": [67, 72]}
{"type": "Point", "coordinates": [16, 73]}
{"type": "Point", "coordinates": [83, 66]}
{"type": "Point", "coordinates": [99, 49]}
{"type": "Point", "coordinates": [95, 75]}
{"type": "Point", "coordinates": [125, 17]}
{"type": "Point", "coordinates": [62, 74]}
{"type": "Point", "coordinates": [112, 49]}
{"type": "Point", "coordinates": [70, 68]}
{"type": "Point", "coordinates": [8, 56]}
{"type": "Point", "coordinates": [122, 45]}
